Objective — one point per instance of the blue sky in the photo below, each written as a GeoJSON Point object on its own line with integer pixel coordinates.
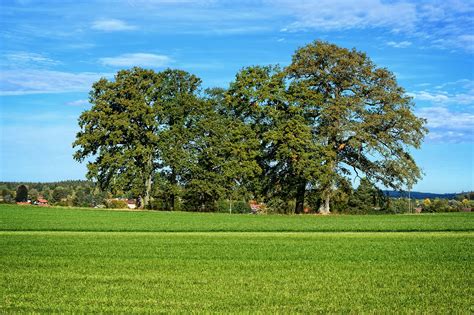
{"type": "Point", "coordinates": [52, 51]}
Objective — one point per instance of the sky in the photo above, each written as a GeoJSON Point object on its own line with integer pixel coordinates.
{"type": "Point", "coordinates": [52, 51]}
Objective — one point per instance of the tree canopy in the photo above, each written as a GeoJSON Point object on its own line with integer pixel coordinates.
{"type": "Point", "coordinates": [21, 194]}
{"type": "Point", "coordinates": [310, 127]}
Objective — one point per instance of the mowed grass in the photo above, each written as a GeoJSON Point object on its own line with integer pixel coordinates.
{"type": "Point", "coordinates": [277, 264]}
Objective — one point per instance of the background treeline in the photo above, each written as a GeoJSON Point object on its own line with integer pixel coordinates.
{"type": "Point", "coordinates": [365, 199]}
{"type": "Point", "coordinates": [78, 193]}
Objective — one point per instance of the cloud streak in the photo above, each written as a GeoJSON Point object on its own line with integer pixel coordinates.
{"type": "Point", "coordinates": [137, 59]}
{"type": "Point", "coordinates": [22, 58]}
{"type": "Point", "coordinates": [112, 25]}
{"type": "Point", "coordinates": [448, 126]}
{"type": "Point", "coordinates": [23, 82]}
{"type": "Point", "coordinates": [341, 14]}
{"type": "Point", "coordinates": [402, 44]}
{"type": "Point", "coordinates": [458, 93]}
{"type": "Point", "coordinates": [78, 103]}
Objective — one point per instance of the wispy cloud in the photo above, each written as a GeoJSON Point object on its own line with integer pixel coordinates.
{"type": "Point", "coordinates": [22, 58]}
{"type": "Point", "coordinates": [341, 14]}
{"type": "Point", "coordinates": [446, 24]}
{"type": "Point", "coordinates": [111, 25]}
{"type": "Point", "coordinates": [459, 92]}
{"type": "Point", "coordinates": [430, 96]}
{"type": "Point", "coordinates": [402, 44]}
{"type": "Point", "coordinates": [78, 103]}
{"type": "Point", "coordinates": [446, 125]}
{"type": "Point", "coordinates": [21, 82]}
{"type": "Point", "coordinates": [137, 59]}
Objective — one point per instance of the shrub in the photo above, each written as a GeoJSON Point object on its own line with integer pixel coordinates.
{"type": "Point", "coordinates": [116, 204]}
{"type": "Point", "coordinates": [237, 206]}
{"type": "Point", "coordinates": [277, 205]}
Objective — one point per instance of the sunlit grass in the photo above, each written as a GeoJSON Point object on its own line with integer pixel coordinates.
{"type": "Point", "coordinates": [250, 267]}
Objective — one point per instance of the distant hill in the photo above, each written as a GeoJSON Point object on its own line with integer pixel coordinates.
{"type": "Point", "coordinates": [418, 195]}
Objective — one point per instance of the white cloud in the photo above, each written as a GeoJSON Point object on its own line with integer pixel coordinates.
{"type": "Point", "coordinates": [22, 58]}
{"type": "Point", "coordinates": [460, 92]}
{"type": "Point", "coordinates": [137, 59]}
{"type": "Point", "coordinates": [449, 110]}
{"type": "Point", "coordinates": [402, 44]}
{"type": "Point", "coordinates": [110, 25]}
{"type": "Point", "coordinates": [442, 24]}
{"type": "Point", "coordinates": [78, 103]}
{"type": "Point", "coordinates": [342, 14]}
{"type": "Point", "coordinates": [448, 126]}
{"type": "Point", "coordinates": [442, 117]}
{"type": "Point", "coordinates": [21, 82]}
{"type": "Point", "coordinates": [429, 96]}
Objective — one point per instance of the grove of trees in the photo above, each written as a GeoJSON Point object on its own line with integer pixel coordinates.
{"type": "Point", "coordinates": [288, 136]}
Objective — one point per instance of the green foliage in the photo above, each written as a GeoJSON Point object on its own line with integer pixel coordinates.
{"type": "Point", "coordinates": [21, 194]}
{"type": "Point", "coordinates": [33, 194]}
{"type": "Point", "coordinates": [277, 205]}
{"type": "Point", "coordinates": [367, 198]}
{"type": "Point", "coordinates": [289, 159]}
{"type": "Point", "coordinates": [276, 134]}
{"type": "Point", "coordinates": [8, 195]}
{"type": "Point", "coordinates": [235, 207]}
{"type": "Point", "coordinates": [59, 194]}
{"type": "Point", "coordinates": [330, 112]}
{"type": "Point", "coordinates": [442, 205]}
{"type": "Point", "coordinates": [120, 132]}
{"type": "Point", "coordinates": [363, 120]}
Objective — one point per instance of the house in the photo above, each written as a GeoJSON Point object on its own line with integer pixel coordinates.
{"type": "Point", "coordinates": [41, 202]}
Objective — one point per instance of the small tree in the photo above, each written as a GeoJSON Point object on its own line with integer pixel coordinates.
{"type": "Point", "coordinates": [33, 193]}
{"type": "Point", "coordinates": [21, 194]}
{"type": "Point", "coordinates": [366, 197]}
{"type": "Point", "coordinates": [59, 193]}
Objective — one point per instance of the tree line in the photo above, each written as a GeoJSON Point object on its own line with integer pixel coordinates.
{"type": "Point", "coordinates": [293, 135]}
{"type": "Point", "coordinates": [365, 199]}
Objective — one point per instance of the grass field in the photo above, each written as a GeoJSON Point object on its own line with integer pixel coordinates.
{"type": "Point", "coordinates": [73, 260]}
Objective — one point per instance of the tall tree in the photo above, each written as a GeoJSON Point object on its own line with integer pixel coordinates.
{"type": "Point", "coordinates": [366, 197]}
{"type": "Point", "coordinates": [223, 152]}
{"type": "Point", "coordinates": [262, 98]}
{"type": "Point", "coordinates": [120, 132]}
{"type": "Point", "coordinates": [364, 119]}
{"type": "Point", "coordinates": [180, 107]}
{"type": "Point", "coordinates": [139, 125]}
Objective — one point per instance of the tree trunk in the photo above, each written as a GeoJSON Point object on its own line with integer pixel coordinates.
{"type": "Point", "coordinates": [173, 187]}
{"type": "Point", "coordinates": [324, 208]}
{"type": "Point", "coordinates": [146, 199]}
{"type": "Point", "coordinates": [300, 192]}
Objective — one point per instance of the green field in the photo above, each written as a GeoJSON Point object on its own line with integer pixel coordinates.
{"type": "Point", "coordinates": [77, 260]}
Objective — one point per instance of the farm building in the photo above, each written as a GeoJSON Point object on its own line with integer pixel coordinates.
{"type": "Point", "coordinates": [41, 202]}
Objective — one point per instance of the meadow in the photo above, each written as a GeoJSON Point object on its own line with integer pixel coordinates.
{"type": "Point", "coordinates": [82, 260]}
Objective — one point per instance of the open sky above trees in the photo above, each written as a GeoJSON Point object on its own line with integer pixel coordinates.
{"type": "Point", "coordinates": [51, 53]}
